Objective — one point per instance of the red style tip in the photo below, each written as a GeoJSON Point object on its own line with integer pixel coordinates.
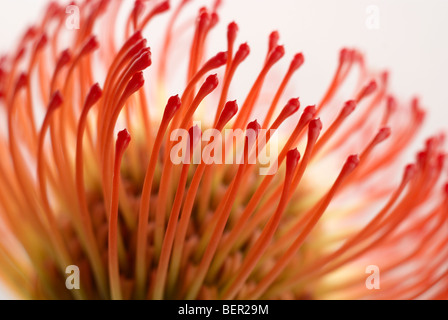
{"type": "Point", "coordinates": [64, 58]}
{"type": "Point", "coordinates": [20, 54]}
{"type": "Point", "coordinates": [276, 54]}
{"type": "Point", "coordinates": [297, 62]}
{"type": "Point", "coordinates": [242, 53]}
{"type": "Point", "coordinates": [123, 139]}
{"type": "Point", "coordinates": [171, 108]}
{"type": "Point", "coordinates": [274, 37]}
{"type": "Point", "coordinates": [194, 134]}
{"type": "Point", "coordinates": [351, 163]}
{"type": "Point", "coordinates": [214, 19]}
{"type": "Point", "coordinates": [253, 127]}
{"type": "Point", "coordinates": [91, 45]}
{"type": "Point", "coordinates": [419, 113]}
{"type": "Point", "coordinates": [309, 112]}
{"type": "Point", "coordinates": [94, 95]}
{"type": "Point", "coordinates": [30, 33]}
{"type": "Point", "coordinates": [55, 101]}
{"type": "Point", "coordinates": [217, 61]}
{"type": "Point", "coordinates": [371, 87]}
{"type": "Point", "coordinates": [144, 60]}
{"type": "Point", "coordinates": [384, 77]}
{"type": "Point", "coordinates": [441, 161]}
{"type": "Point", "coordinates": [314, 128]}
{"type": "Point", "coordinates": [382, 135]}
{"type": "Point", "coordinates": [344, 55]}
{"type": "Point", "coordinates": [21, 81]}
{"type": "Point", "coordinates": [391, 103]}
{"type": "Point", "coordinates": [203, 19]}
{"type": "Point", "coordinates": [137, 81]}
{"type": "Point", "coordinates": [135, 37]}
{"type": "Point", "coordinates": [367, 90]}
{"type": "Point", "coordinates": [291, 107]}
{"type": "Point", "coordinates": [292, 158]}
{"type": "Point", "coordinates": [138, 48]}
{"type": "Point", "coordinates": [209, 85]}
{"type": "Point", "coordinates": [230, 109]}
{"type": "Point", "coordinates": [409, 172]}
{"type": "Point", "coordinates": [42, 42]}
{"type": "Point", "coordinates": [162, 7]}
{"type": "Point", "coordinates": [232, 31]}
{"type": "Point", "coordinates": [348, 108]}
{"type": "Point", "coordinates": [421, 157]}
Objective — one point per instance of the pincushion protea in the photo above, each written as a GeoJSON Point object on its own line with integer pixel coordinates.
{"type": "Point", "coordinates": [140, 226]}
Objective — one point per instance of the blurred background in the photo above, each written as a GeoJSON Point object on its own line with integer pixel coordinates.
{"type": "Point", "coordinates": [406, 37]}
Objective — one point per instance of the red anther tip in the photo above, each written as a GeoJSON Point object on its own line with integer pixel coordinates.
{"type": "Point", "coordinates": [355, 55]}
{"type": "Point", "coordinates": [42, 42]}
{"type": "Point", "coordinates": [214, 19]}
{"type": "Point", "coordinates": [138, 48]}
{"type": "Point", "coordinates": [441, 161]}
{"type": "Point", "coordinates": [162, 7]}
{"type": "Point", "coordinates": [64, 58]}
{"type": "Point", "coordinates": [430, 143]}
{"type": "Point", "coordinates": [391, 103]}
{"type": "Point", "coordinates": [53, 9]}
{"type": "Point", "coordinates": [415, 102]}
{"type": "Point", "coordinates": [210, 84]}
{"type": "Point", "coordinates": [419, 113]}
{"type": "Point", "coordinates": [138, 6]}
{"type": "Point", "coordinates": [276, 54]}
{"type": "Point", "coordinates": [315, 127]}
{"type": "Point", "coordinates": [273, 39]}
{"type": "Point", "coordinates": [136, 36]}
{"type": "Point", "coordinates": [291, 107]}
{"type": "Point", "coordinates": [348, 108]}
{"type": "Point", "coordinates": [371, 87]}
{"type": "Point", "coordinates": [203, 19]}
{"type": "Point", "coordinates": [90, 45]}
{"type": "Point", "coordinates": [172, 106]}
{"type": "Point", "coordinates": [242, 53]}
{"type": "Point", "coordinates": [409, 172]}
{"type": "Point", "coordinates": [382, 135]}
{"type": "Point", "coordinates": [421, 157]}
{"type": "Point", "coordinates": [351, 163]}
{"type": "Point", "coordinates": [230, 109]}
{"type": "Point", "coordinates": [20, 54]}
{"type": "Point", "coordinates": [194, 134]}
{"type": "Point", "coordinates": [55, 101]}
{"type": "Point", "coordinates": [254, 127]}
{"type": "Point", "coordinates": [94, 95]}
{"type": "Point", "coordinates": [297, 61]}
{"type": "Point", "coordinates": [217, 61]}
{"type": "Point", "coordinates": [310, 111]}
{"type": "Point", "coordinates": [144, 59]}
{"type": "Point", "coordinates": [123, 139]}
{"type": "Point", "coordinates": [385, 77]}
{"type": "Point", "coordinates": [232, 30]}
{"type": "Point", "coordinates": [30, 33]}
{"type": "Point", "coordinates": [368, 89]}
{"type": "Point", "coordinates": [137, 81]}
{"type": "Point", "coordinates": [344, 55]}
{"type": "Point", "coordinates": [292, 158]}
{"type": "Point", "coordinates": [21, 81]}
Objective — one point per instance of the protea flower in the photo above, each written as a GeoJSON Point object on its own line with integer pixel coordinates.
{"type": "Point", "coordinates": [77, 192]}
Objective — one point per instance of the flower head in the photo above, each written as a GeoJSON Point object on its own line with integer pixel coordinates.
{"type": "Point", "coordinates": [79, 190]}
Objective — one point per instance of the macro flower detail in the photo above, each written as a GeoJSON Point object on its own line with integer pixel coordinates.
{"type": "Point", "coordinates": [88, 179]}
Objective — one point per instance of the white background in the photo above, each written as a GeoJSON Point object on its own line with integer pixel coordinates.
{"type": "Point", "coordinates": [411, 42]}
